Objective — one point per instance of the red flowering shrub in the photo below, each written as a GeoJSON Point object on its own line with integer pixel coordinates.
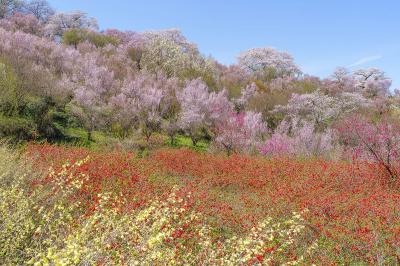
{"type": "Point", "coordinates": [352, 208]}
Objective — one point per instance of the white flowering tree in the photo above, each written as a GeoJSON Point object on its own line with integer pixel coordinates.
{"type": "Point", "coordinates": [268, 62]}
{"type": "Point", "coordinates": [41, 9]}
{"type": "Point", "coordinates": [62, 22]}
{"type": "Point", "coordinates": [372, 82]}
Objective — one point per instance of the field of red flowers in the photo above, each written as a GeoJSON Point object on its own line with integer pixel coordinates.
{"type": "Point", "coordinates": [352, 210]}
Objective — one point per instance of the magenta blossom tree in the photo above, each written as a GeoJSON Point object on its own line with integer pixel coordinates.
{"type": "Point", "coordinates": [299, 139]}
{"type": "Point", "coordinates": [241, 132]}
{"type": "Point", "coordinates": [378, 142]}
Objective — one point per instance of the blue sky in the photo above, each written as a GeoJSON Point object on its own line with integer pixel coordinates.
{"type": "Point", "coordinates": [320, 34]}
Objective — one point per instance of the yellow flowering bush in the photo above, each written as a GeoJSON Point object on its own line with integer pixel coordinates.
{"type": "Point", "coordinates": [16, 218]}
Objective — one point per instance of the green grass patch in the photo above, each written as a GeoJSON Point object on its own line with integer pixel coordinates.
{"type": "Point", "coordinates": [182, 141]}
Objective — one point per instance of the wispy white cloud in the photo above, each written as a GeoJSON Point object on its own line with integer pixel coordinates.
{"type": "Point", "coordinates": [365, 60]}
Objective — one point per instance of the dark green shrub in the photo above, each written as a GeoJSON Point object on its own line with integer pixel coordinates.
{"type": "Point", "coordinates": [17, 128]}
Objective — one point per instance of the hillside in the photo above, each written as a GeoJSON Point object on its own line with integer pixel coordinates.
{"type": "Point", "coordinates": [133, 148]}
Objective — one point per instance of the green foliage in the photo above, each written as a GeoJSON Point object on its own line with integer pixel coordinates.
{"type": "Point", "coordinates": [77, 36]}
{"type": "Point", "coordinates": [119, 131]}
{"type": "Point", "coordinates": [17, 128]}
{"type": "Point", "coordinates": [182, 141]}
{"type": "Point", "coordinates": [8, 93]}
{"type": "Point", "coordinates": [44, 113]}
{"type": "Point", "coordinates": [202, 68]}
{"type": "Point", "coordinates": [24, 115]}
{"type": "Point", "coordinates": [135, 54]}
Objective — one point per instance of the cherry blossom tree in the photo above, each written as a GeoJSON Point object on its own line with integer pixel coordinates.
{"type": "Point", "coordinates": [40, 64]}
{"type": "Point", "coordinates": [218, 109]}
{"type": "Point", "coordinates": [61, 22]}
{"type": "Point", "coordinates": [233, 78]}
{"type": "Point", "coordinates": [245, 95]}
{"type": "Point", "coordinates": [22, 22]}
{"type": "Point", "coordinates": [372, 82]}
{"type": "Point", "coordinates": [349, 102]}
{"type": "Point", "coordinates": [93, 84]}
{"type": "Point", "coordinates": [10, 7]}
{"type": "Point", "coordinates": [316, 107]}
{"type": "Point", "coordinates": [201, 110]}
{"type": "Point", "coordinates": [169, 52]}
{"type": "Point", "coordinates": [378, 142]}
{"type": "Point", "coordinates": [321, 109]}
{"type": "Point", "coordinates": [193, 100]}
{"type": "Point", "coordinates": [173, 35]}
{"type": "Point", "coordinates": [268, 62]}
{"type": "Point", "coordinates": [241, 132]}
{"type": "Point", "coordinates": [41, 9]}
{"type": "Point", "coordinates": [298, 139]}
{"type": "Point", "coordinates": [143, 101]}
{"type": "Point", "coordinates": [164, 55]}
{"type": "Point", "coordinates": [340, 81]}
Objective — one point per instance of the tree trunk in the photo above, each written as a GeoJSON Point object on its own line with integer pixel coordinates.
{"type": "Point", "coordinates": [194, 141]}
{"type": "Point", "coordinates": [89, 135]}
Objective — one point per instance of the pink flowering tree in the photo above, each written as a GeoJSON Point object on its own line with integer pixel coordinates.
{"type": "Point", "coordinates": [154, 104]}
{"type": "Point", "coordinates": [277, 145]}
{"type": "Point", "coordinates": [200, 110]}
{"type": "Point", "coordinates": [340, 81]}
{"type": "Point", "coordinates": [193, 100]}
{"type": "Point", "coordinates": [92, 85]}
{"type": "Point", "coordinates": [246, 95]}
{"type": "Point", "coordinates": [241, 132]}
{"type": "Point", "coordinates": [378, 142]}
{"type": "Point", "coordinates": [299, 140]}
{"type": "Point", "coordinates": [27, 23]}
{"type": "Point", "coordinates": [45, 68]}
{"type": "Point", "coordinates": [143, 101]}
{"type": "Point", "coordinates": [218, 109]}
